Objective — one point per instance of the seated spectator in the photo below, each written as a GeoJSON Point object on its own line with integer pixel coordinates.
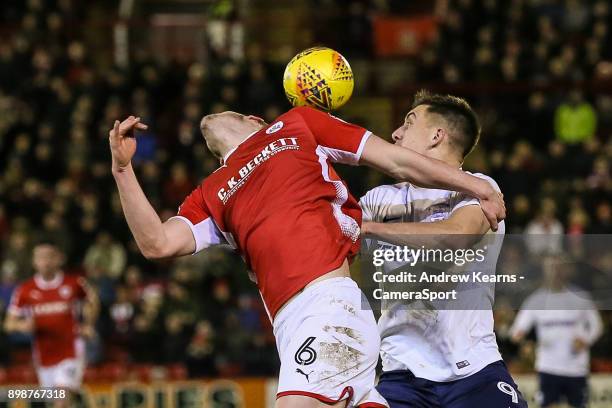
{"type": "Point", "coordinates": [106, 255]}
{"type": "Point", "coordinates": [575, 119]}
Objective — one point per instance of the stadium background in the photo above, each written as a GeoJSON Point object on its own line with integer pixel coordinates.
{"type": "Point", "coordinates": [539, 72]}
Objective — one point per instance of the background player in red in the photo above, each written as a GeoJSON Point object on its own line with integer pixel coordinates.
{"type": "Point", "coordinates": [47, 306]}
{"type": "Point", "coordinates": [278, 201]}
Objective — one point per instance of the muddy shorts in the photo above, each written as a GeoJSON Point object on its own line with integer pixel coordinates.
{"type": "Point", "coordinates": [328, 343]}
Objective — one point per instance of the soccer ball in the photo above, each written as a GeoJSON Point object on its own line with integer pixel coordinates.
{"type": "Point", "coordinates": [319, 77]}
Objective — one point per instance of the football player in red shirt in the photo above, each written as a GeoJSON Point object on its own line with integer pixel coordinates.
{"type": "Point", "coordinates": [278, 201]}
{"type": "Point", "coordinates": [48, 306]}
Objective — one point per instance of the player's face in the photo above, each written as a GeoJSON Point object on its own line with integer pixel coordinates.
{"type": "Point", "coordinates": [416, 132]}
{"type": "Point", "coordinates": [46, 259]}
{"type": "Point", "coordinates": [229, 120]}
{"type": "Point", "coordinates": [219, 125]}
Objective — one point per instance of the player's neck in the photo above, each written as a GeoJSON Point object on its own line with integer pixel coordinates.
{"type": "Point", "coordinates": [50, 277]}
{"type": "Point", "coordinates": [228, 142]}
{"type": "Point", "coordinates": [447, 158]}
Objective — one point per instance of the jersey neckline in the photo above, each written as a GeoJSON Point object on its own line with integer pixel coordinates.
{"type": "Point", "coordinates": [54, 283]}
{"type": "Point", "coordinates": [228, 154]}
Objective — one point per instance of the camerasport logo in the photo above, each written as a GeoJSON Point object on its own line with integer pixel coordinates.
{"type": "Point", "coordinates": [234, 183]}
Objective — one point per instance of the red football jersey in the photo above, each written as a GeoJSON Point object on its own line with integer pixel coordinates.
{"type": "Point", "coordinates": [280, 203]}
{"type": "Point", "coordinates": [53, 306]}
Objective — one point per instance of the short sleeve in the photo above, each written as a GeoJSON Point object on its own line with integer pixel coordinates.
{"type": "Point", "coordinates": [194, 213]}
{"type": "Point", "coordinates": [340, 141]}
{"type": "Point", "coordinates": [523, 322]}
{"type": "Point", "coordinates": [18, 302]}
{"type": "Point", "coordinates": [366, 204]}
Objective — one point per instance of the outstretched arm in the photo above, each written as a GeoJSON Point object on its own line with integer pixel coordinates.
{"type": "Point", "coordinates": [154, 238]}
{"type": "Point", "coordinates": [461, 230]}
{"type": "Point", "coordinates": [408, 165]}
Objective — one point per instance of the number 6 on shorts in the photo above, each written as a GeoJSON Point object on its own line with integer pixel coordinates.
{"type": "Point", "coordinates": [306, 351]}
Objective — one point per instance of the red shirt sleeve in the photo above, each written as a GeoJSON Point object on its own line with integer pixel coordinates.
{"type": "Point", "coordinates": [194, 213]}
{"type": "Point", "coordinates": [342, 142]}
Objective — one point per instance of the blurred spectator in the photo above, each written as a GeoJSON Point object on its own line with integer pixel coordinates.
{"type": "Point", "coordinates": [176, 338]}
{"type": "Point", "coordinates": [178, 186]}
{"type": "Point", "coordinates": [16, 256]}
{"type": "Point", "coordinates": [8, 283]}
{"type": "Point", "coordinates": [106, 255]}
{"type": "Point", "coordinates": [603, 219]}
{"type": "Point", "coordinates": [575, 119]}
{"type": "Point", "coordinates": [148, 328]}
{"type": "Point", "coordinates": [201, 351]}
{"type": "Point", "coordinates": [545, 231]}
{"type": "Point", "coordinates": [121, 313]}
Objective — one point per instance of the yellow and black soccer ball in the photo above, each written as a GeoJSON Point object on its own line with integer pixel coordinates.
{"type": "Point", "coordinates": [319, 77]}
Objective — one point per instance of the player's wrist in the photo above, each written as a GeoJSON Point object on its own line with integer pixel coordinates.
{"type": "Point", "coordinates": [483, 190]}
{"type": "Point", "coordinates": [118, 169]}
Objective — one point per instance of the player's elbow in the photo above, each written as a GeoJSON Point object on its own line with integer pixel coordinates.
{"type": "Point", "coordinates": [153, 252]}
{"type": "Point", "coordinates": [460, 239]}
{"type": "Point", "coordinates": [398, 172]}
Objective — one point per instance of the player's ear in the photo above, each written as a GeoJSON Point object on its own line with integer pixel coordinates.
{"type": "Point", "coordinates": [438, 137]}
{"type": "Point", "coordinates": [257, 119]}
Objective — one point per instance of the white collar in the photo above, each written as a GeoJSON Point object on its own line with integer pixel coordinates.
{"type": "Point", "coordinates": [47, 285]}
{"type": "Point", "coordinates": [227, 155]}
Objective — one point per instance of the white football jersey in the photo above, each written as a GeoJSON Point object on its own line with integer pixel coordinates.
{"type": "Point", "coordinates": [435, 344]}
{"type": "Point", "coordinates": [559, 318]}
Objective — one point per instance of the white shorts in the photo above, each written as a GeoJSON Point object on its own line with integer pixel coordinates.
{"type": "Point", "coordinates": [66, 374]}
{"type": "Point", "coordinates": [328, 343]}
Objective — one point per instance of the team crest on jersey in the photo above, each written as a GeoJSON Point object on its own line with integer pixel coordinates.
{"type": "Point", "coordinates": [437, 212]}
{"type": "Point", "coordinates": [35, 294]}
{"type": "Point", "coordinates": [275, 127]}
{"type": "Point", "coordinates": [65, 292]}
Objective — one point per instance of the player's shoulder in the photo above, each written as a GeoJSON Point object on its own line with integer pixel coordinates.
{"type": "Point", "coordinates": [386, 191]}
{"type": "Point", "coordinates": [307, 113]}
{"type": "Point", "coordinates": [24, 289]}
{"type": "Point", "coordinates": [489, 179]}
{"type": "Point", "coordinates": [536, 300]}
{"type": "Point", "coordinates": [73, 279]}
{"type": "Point", "coordinates": [27, 285]}
{"type": "Point", "coordinates": [578, 295]}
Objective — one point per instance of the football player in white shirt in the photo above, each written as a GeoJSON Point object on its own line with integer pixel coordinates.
{"type": "Point", "coordinates": [567, 324]}
{"type": "Point", "coordinates": [433, 356]}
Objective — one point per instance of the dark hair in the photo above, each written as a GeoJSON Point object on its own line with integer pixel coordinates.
{"type": "Point", "coordinates": [46, 241]}
{"type": "Point", "coordinates": [458, 114]}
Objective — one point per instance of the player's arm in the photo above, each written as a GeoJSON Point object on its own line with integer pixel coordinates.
{"type": "Point", "coordinates": [523, 323]}
{"type": "Point", "coordinates": [462, 229]}
{"type": "Point", "coordinates": [346, 143]}
{"type": "Point", "coordinates": [16, 321]}
{"type": "Point", "coordinates": [593, 330]}
{"type": "Point", "coordinates": [91, 308]}
{"type": "Point", "coordinates": [408, 165]}
{"type": "Point", "coordinates": [154, 238]}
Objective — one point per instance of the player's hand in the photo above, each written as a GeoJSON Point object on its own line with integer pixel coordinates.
{"type": "Point", "coordinates": [122, 141]}
{"type": "Point", "coordinates": [26, 325]}
{"type": "Point", "coordinates": [579, 345]}
{"type": "Point", "coordinates": [87, 331]}
{"type": "Point", "coordinates": [517, 337]}
{"type": "Point", "coordinates": [493, 206]}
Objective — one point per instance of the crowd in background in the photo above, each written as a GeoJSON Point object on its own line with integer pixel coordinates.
{"type": "Point", "coordinates": [548, 146]}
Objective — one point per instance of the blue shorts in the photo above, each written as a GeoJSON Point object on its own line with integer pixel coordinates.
{"type": "Point", "coordinates": [491, 387]}
{"type": "Point", "coordinates": [555, 388]}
